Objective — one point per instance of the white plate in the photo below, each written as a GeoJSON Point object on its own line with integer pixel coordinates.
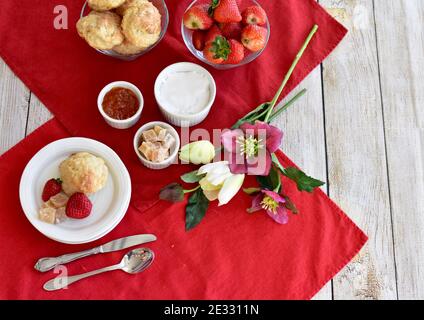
{"type": "Point", "coordinates": [109, 204]}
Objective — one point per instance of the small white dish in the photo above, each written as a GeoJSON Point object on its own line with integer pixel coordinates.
{"type": "Point", "coordinates": [173, 152]}
{"type": "Point", "coordinates": [120, 124]}
{"type": "Point", "coordinates": [173, 117]}
{"type": "Point", "coordinates": [109, 204]}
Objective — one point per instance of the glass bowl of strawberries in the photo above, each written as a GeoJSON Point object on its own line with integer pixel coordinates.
{"type": "Point", "coordinates": [225, 33]}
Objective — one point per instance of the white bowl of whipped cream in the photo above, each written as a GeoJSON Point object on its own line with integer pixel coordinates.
{"type": "Point", "coordinates": [185, 93]}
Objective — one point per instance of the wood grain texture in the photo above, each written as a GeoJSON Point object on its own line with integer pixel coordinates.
{"type": "Point", "coordinates": [356, 152]}
{"type": "Point", "coordinates": [304, 138]}
{"type": "Point", "coordinates": [38, 114]}
{"type": "Point", "coordinates": [400, 25]}
{"type": "Point", "coordinates": [14, 100]}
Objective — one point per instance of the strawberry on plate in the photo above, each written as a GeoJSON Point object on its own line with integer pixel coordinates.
{"type": "Point", "coordinates": [217, 51]}
{"type": "Point", "coordinates": [199, 39]}
{"type": "Point", "coordinates": [225, 11]}
{"type": "Point", "coordinates": [231, 30]}
{"type": "Point", "coordinates": [78, 206]}
{"type": "Point", "coordinates": [197, 18]}
{"type": "Point", "coordinates": [254, 15]}
{"type": "Point", "coordinates": [51, 188]}
{"type": "Point", "coordinates": [254, 37]}
{"type": "Point", "coordinates": [237, 52]}
{"type": "Point", "coordinates": [212, 34]}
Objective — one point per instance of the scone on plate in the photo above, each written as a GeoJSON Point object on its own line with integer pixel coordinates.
{"type": "Point", "coordinates": [83, 172]}
{"type": "Point", "coordinates": [103, 5]}
{"type": "Point", "coordinates": [101, 30]}
{"type": "Point", "coordinates": [141, 25]}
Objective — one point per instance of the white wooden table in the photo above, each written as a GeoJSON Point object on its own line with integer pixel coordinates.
{"type": "Point", "coordinates": [360, 128]}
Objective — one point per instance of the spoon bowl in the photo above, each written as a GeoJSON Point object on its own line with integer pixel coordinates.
{"type": "Point", "coordinates": [133, 262]}
{"type": "Point", "coordinates": [137, 260]}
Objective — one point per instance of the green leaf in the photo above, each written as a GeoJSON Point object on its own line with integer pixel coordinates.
{"type": "Point", "coordinates": [220, 48]}
{"type": "Point", "coordinates": [212, 7]}
{"type": "Point", "coordinates": [270, 182]}
{"type": "Point", "coordinates": [304, 182]}
{"type": "Point", "coordinates": [251, 191]}
{"type": "Point", "coordinates": [192, 177]}
{"type": "Point", "coordinates": [196, 209]}
{"type": "Point", "coordinates": [173, 192]}
{"type": "Point", "coordinates": [290, 205]}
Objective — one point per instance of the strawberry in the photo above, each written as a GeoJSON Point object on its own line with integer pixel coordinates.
{"type": "Point", "coordinates": [237, 52]}
{"type": "Point", "coordinates": [212, 34]}
{"type": "Point", "coordinates": [254, 15]}
{"type": "Point", "coordinates": [231, 30]}
{"type": "Point", "coordinates": [217, 51]}
{"type": "Point", "coordinates": [253, 37]}
{"type": "Point", "coordinates": [78, 206]}
{"type": "Point", "coordinates": [225, 11]}
{"type": "Point", "coordinates": [197, 18]}
{"type": "Point", "coordinates": [51, 188]}
{"type": "Point", "coordinates": [199, 40]}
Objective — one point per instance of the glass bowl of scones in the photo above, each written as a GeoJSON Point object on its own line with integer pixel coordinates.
{"type": "Point", "coordinates": [123, 29]}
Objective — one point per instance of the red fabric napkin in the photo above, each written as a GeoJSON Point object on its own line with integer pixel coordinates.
{"type": "Point", "coordinates": [231, 255]}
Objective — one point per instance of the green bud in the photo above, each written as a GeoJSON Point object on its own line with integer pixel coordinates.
{"type": "Point", "coordinates": [200, 152]}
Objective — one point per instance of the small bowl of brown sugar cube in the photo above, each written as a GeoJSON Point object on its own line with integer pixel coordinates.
{"type": "Point", "coordinates": [156, 145]}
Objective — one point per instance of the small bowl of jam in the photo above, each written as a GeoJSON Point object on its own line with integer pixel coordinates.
{"type": "Point", "coordinates": [120, 103]}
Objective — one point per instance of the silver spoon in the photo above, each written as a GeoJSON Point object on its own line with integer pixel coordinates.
{"type": "Point", "coordinates": [135, 261]}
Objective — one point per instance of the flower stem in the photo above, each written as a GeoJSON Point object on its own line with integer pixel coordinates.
{"type": "Point", "coordinates": [192, 190]}
{"type": "Point", "coordinates": [287, 105]}
{"type": "Point", "coordinates": [290, 72]}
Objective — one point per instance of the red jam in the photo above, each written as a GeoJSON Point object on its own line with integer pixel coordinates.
{"type": "Point", "coordinates": [120, 103]}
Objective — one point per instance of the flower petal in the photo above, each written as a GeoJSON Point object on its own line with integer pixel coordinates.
{"type": "Point", "coordinates": [210, 166]}
{"type": "Point", "coordinates": [237, 164]}
{"type": "Point", "coordinates": [207, 186]}
{"type": "Point", "coordinates": [256, 203]}
{"type": "Point", "coordinates": [259, 166]}
{"type": "Point", "coordinates": [211, 195]}
{"type": "Point", "coordinates": [263, 131]}
{"type": "Point", "coordinates": [275, 196]}
{"type": "Point", "coordinates": [229, 140]}
{"type": "Point", "coordinates": [280, 216]}
{"type": "Point", "coordinates": [274, 137]}
{"type": "Point", "coordinates": [230, 188]}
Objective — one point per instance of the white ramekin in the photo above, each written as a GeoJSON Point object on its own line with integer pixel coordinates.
{"type": "Point", "coordinates": [120, 124]}
{"type": "Point", "coordinates": [182, 120]}
{"type": "Point", "coordinates": [173, 158]}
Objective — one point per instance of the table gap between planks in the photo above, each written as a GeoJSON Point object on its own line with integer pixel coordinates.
{"type": "Point", "coordinates": [360, 128]}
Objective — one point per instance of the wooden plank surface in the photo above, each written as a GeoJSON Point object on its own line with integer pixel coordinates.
{"type": "Point", "coordinates": [400, 25]}
{"type": "Point", "coordinates": [356, 152]}
{"type": "Point", "coordinates": [14, 101]}
{"type": "Point", "coordinates": [304, 137]}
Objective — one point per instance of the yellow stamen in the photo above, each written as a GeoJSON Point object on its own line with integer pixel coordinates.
{"type": "Point", "coordinates": [269, 204]}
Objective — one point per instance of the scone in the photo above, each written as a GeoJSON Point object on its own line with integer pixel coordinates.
{"type": "Point", "coordinates": [126, 48]}
{"type": "Point", "coordinates": [102, 30]}
{"type": "Point", "coordinates": [83, 172]}
{"type": "Point", "coordinates": [103, 5]}
{"type": "Point", "coordinates": [142, 25]}
{"type": "Point", "coordinates": [129, 4]}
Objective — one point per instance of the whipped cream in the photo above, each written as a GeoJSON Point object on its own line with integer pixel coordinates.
{"type": "Point", "coordinates": [185, 92]}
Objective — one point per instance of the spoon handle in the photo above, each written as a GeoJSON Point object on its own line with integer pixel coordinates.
{"type": "Point", "coordinates": [63, 282]}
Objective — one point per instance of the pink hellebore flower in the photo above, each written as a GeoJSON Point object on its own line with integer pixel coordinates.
{"type": "Point", "coordinates": [251, 146]}
{"type": "Point", "coordinates": [272, 203]}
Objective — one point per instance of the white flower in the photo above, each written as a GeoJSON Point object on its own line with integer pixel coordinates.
{"type": "Point", "coordinates": [219, 183]}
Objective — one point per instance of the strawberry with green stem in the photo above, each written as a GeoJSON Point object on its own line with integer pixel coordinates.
{"type": "Point", "coordinates": [217, 51]}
